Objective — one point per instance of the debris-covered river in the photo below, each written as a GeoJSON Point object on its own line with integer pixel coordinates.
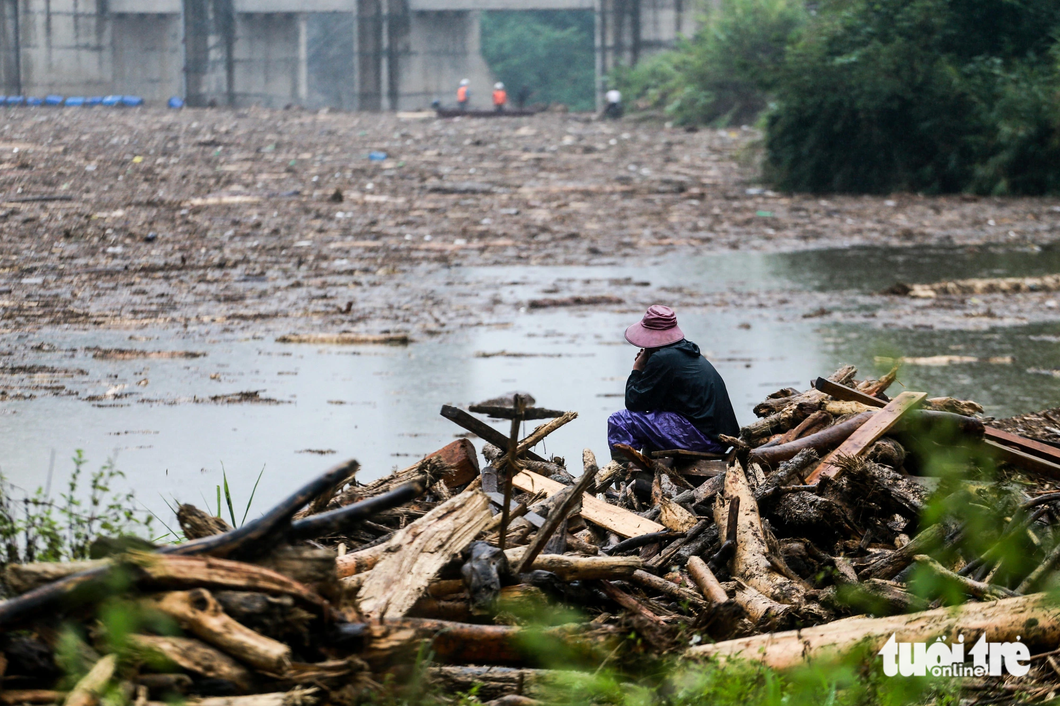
{"type": "Point", "coordinates": [215, 398]}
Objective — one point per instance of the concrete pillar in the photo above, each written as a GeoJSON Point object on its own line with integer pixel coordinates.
{"type": "Point", "coordinates": [10, 49]}
{"type": "Point", "coordinates": [303, 58]}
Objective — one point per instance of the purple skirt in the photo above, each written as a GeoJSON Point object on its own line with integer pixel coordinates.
{"type": "Point", "coordinates": [657, 431]}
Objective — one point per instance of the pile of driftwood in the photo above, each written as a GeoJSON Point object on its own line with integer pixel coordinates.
{"type": "Point", "coordinates": [814, 516]}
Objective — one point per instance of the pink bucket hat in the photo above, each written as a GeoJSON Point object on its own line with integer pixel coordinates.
{"type": "Point", "coordinates": [657, 328]}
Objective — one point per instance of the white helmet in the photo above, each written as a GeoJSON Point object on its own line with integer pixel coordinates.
{"type": "Point", "coordinates": [464, 82]}
{"type": "Point", "coordinates": [498, 85]}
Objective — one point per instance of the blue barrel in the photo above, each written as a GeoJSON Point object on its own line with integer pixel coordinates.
{"type": "Point", "coordinates": [132, 101]}
{"type": "Point", "coordinates": [53, 100]}
{"type": "Point", "coordinates": [75, 102]}
{"type": "Point", "coordinates": [175, 102]}
{"type": "Point", "coordinates": [15, 100]}
{"type": "Point", "coordinates": [93, 100]}
{"type": "Point", "coordinates": [3, 100]}
{"type": "Point", "coordinates": [33, 100]}
{"type": "Point", "coordinates": [111, 101]}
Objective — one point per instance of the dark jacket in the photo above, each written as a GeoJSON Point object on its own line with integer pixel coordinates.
{"type": "Point", "coordinates": [677, 378]}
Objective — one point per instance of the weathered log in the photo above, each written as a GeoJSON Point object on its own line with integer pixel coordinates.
{"type": "Point", "coordinates": [336, 521]}
{"type": "Point", "coordinates": [491, 682]}
{"type": "Point", "coordinates": [538, 435]}
{"type": "Point", "coordinates": [669, 588]}
{"type": "Point", "coordinates": [564, 506]}
{"type": "Point", "coordinates": [1048, 564]}
{"type": "Point", "coordinates": [628, 545]}
{"type": "Point", "coordinates": [751, 559]}
{"type": "Point", "coordinates": [1034, 619]}
{"type": "Point", "coordinates": [21, 578]}
{"type": "Point", "coordinates": [867, 434]}
{"type": "Point", "coordinates": [667, 555]}
{"type": "Point", "coordinates": [312, 566]}
{"type": "Point", "coordinates": [482, 430]}
{"type": "Point", "coordinates": [193, 656]}
{"type": "Point", "coordinates": [571, 568]}
{"type": "Point", "coordinates": [630, 603]}
{"type": "Point", "coordinates": [297, 697]}
{"type": "Point", "coordinates": [91, 686]}
{"type": "Point", "coordinates": [763, 610]}
{"type": "Point", "coordinates": [976, 589]}
{"type": "Point", "coordinates": [416, 553]}
{"type": "Point", "coordinates": [820, 442]}
{"type": "Point", "coordinates": [706, 581]}
{"type": "Point", "coordinates": [888, 567]}
{"type": "Point", "coordinates": [164, 685]}
{"type": "Point", "coordinates": [13, 697]}
{"type": "Point", "coordinates": [197, 524]}
{"type": "Point", "coordinates": [777, 423]}
{"type": "Point", "coordinates": [816, 397]}
{"type": "Point", "coordinates": [360, 561]}
{"type": "Point", "coordinates": [198, 612]}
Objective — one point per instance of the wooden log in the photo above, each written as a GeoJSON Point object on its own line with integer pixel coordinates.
{"type": "Point", "coordinates": [21, 578]}
{"type": "Point", "coordinates": [197, 524]}
{"type": "Point", "coordinates": [777, 423]}
{"type": "Point", "coordinates": [338, 520]}
{"type": "Point", "coordinates": [297, 697]}
{"type": "Point", "coordinates": [1022, 443]}
{"type": "Point", "coordinates": [867, 434]}
{"type": "Point", "coordinates": [751, 560]}
{"type": "Point", "coordinates": [359, 562]}
{"type": "Point", "coordinates": [706, 581]}
{"type": "Point", "coordinates": [570, 567]}
{"type": "Point", "coordinates": [818, 418]}
{"type": "Point", "coordinates": [162, 685]}
{"type": "Point", "coordinates": [761, 609]}
{"type": "Point", "coordinates": [822, 441]}
{"type": "Point", "coordinates": [13, 697]}
{"type": "Point", "coordinates": [618, 520]}
{"type": "Point", "coordinates": [538, 435]}
{"type": "Point", "coordinates": [193, 656]}
{"type": "Point", "coordinates": [1047, 566]}
{"type": "Point", "coordinates": [771, 406]}
{"type": "Point", "coordinates": [888, 567]}
{"type": "Point", "coordinates": [675, 517]}
{"type": "Point", "coordinates": [666, 555]}
{"type": "Point", "coordinates": [976, 589]}
{"type": "Point", "coordinates": [416, 553]}
{"type": "Point", "coordinates": [198, 612]}
{"type": "Point", "coordinates": [491, 682]}
{"type": "Point", "coordinates": [481, 429]}
{"type": "Point", "coordinates": [91, 686]}
{"type": "Point", "coordinates": [669, 588]}
{"type": "Point", "coordinates": [1034, 619]}
{"type": "Point", "coordinates": [1022, 460]}
{"type": "Point", "coordinates": [558, 515]}
{"type": "Point", "coordinates": [630, 603]}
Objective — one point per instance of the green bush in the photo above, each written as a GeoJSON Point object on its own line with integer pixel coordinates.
{"type": "Point", "coordinates": [923, 95]}
{"type": "Point", "coordinates": [723, 75]}
{"type": "Point", "coordinates": [549, 52]}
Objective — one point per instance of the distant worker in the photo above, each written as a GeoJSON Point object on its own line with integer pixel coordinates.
{"type": "Point", "coordinates": [614, 104]}
{"type": "Point", "coordinates": [463, 94]}
{"type": "Point", "coordinates": [675, 399]}
{"type": "Point", "coordinates": [522, 96]}
{"type": "Point", "coordinates": [500, 97]}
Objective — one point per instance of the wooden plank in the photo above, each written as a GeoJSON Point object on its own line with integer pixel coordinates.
{"type": "Point", "coordinates": [619, 520]}
{"type": "Point", "coordinates": [842, 392]}
{"type": "Point", "coordinates": [1022, 443]}
{"type": "Point", "coordinates": [867, 434]}
{"type": "Point", "coordinates": [481, 429]}
{"type": "Point", "coordinates": [1023, 461]}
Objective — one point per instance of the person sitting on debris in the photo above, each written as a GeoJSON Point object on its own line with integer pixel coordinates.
{"type": "Point", "coordinates": [614, 104]}
{"type": "Point", "coordinates": [463, 94]}
{"type": "Point", "coordinates": [675, 399]}
{"type": "Point", "coordinates": [500, 97]}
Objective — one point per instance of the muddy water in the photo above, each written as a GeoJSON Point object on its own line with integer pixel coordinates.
{"type": "Point", "coordinates": [766, 321]}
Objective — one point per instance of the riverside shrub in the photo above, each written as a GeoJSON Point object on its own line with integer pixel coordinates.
{"type": "Point", "coordinates": [924, 95]}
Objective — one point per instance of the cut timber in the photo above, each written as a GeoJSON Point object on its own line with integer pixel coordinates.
{"type": "Point", "coordinates": [88, 690]}
{"type": "Point", "coordinates": [1023, 461]}
{"type": "Point", "coordinates": [415, 554]}
{"type": "Point", "coordinates": [21, 578]}
{"type": "Point", "coordinates": [620, 521]}
{"type": "Point", "coordinates": [867, 434]}
{"type": "Point", "coordinates": [481, 429]}
{"type": "Point", "coordinates": [198, 612]}
{"type": "Point", "coordinates": [1022, 443]}
{"type": "Point", "coordinates": [347, 339]}
{"type": "Point", "coordinates": [1034, 619]}
{"type": "Point", "coordinates": [359, 562]}
{"type": "Point", "coordinates": [571, 568]}
{"type": "Point", "coordinates": [193, 656]}
{"type": "Point", "coordinates": [559, 514]}
{"type": "Point", "coordinates": [491, 682]}
{"type": "Point", "coordinates": [751, 560]}
{"type": "Point", "coordinates": [824, 440]}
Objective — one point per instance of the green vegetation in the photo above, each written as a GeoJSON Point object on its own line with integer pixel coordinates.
{"type": "Point", "coordinates": [723, 75]}
{"type": "Point", "coordinates": [876, 96]}
{"type": "Point", "coordinates": [36, 527]}
{"type": "Point", "coordinates": [550, 53]}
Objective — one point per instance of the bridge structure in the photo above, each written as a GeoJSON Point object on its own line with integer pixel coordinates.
{"type": "Point", "coordinates": [348, 54]}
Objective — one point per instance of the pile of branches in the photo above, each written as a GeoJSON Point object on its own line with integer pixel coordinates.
{"type": "Point", "coordinates": [814, 516]}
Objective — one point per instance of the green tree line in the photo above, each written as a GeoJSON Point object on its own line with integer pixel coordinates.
{"type": "Point", "coordinates": [875, 96]}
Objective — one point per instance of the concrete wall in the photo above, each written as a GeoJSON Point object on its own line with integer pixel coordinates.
{"type": "Point", "coordinates": [148, 58]}
{"type": "Point", "coordinates": [442, 48]}
{"type": "Point", "coordinates": [350, 54]}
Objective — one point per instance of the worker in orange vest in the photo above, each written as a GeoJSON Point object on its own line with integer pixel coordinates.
{"type": "Point", "coordinates": [463, 94]}
{"type": "Point", "coordinates": [500, 97]}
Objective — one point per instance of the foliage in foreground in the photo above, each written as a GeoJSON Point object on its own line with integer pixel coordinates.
{"type": "Point", "coordinates": [726, 73]}
{"type": "Point", "coordinates": [37, 527]}
{"type": "Point", "coordinates": [550, 53]}
{"type": "Point", "coordinates": [930, 95]}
